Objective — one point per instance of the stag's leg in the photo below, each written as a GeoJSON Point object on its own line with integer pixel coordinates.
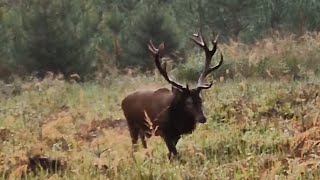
{"type": "Point", "coordinates": [143, 138]}
{"type": "Point", "coordinates": [170, 142]}
{"type": "Point", "coordinates": [176, 139]}
{"type": "Point", "coordinates": [134, 133]}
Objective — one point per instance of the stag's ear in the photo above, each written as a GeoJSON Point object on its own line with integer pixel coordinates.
{"type": "Point", "coordinates": [198, 91]}
{"type": "Point", "coordinates": [176, 90]}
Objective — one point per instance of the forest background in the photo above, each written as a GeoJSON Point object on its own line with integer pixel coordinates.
{"type": "Point", "coordinates": [94, 38]}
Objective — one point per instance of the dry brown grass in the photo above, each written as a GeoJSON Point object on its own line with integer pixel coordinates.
{"type": "Point", "coordinates": [280, 56]}
{"type": "Point", "coordinates": [257, 129]}
{"type": "Point", "coordinates": [276, 47]}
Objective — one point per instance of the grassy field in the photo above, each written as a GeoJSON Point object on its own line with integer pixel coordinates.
{"type": "Point", "coordinates": [256, 129]}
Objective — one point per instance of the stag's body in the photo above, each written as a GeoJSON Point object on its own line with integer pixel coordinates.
{"type": "Point", "coordinates": [169, 120]}
{"type": "Point", "coordinates": [164, 112]}
{"type": "Point", "coordinates": [141, 103]}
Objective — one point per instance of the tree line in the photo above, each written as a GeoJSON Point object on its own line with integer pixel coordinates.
{"type": "Point", "coordinates": [85, 36]}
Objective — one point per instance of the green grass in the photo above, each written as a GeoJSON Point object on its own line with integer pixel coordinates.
{"type": "Point", "coordinates": [251, 129]}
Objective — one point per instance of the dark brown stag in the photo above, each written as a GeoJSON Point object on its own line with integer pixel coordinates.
{"type": "Point", "coordinates": [168, 113]}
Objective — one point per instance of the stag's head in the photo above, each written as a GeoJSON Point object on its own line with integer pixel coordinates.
{"type": "Point", "coordinates": [189, 100]}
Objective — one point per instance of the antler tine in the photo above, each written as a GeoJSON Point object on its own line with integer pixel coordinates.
{"type": "Point", "coordinates": [200, 86]}
{"type": "Point", "coordinates": [209, 53]}
{"type": "Point", "coordinates": [152, 48]}
{"type": "Point", "coordinates": [163, 71]}
{"type": "Point", "coordinates": [197, 38]}
{"type": "Point", "coordinates": [215, 40]}
{"type": "Point", "coordinates": [215, 67]}
{"type": "Point", "coordinates": [151, 43]}
{"type": "Point", "coordinates": [215, 44]}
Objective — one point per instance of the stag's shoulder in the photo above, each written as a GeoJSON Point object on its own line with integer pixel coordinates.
{"type": "Point", "coordinates": [161, 91]}
{"type": "Point", "coordinates": [139, 93]}
{"type": "Point", "coordinates": [145, 95]}
{"type": "Point", "coordinates": [161, 98]}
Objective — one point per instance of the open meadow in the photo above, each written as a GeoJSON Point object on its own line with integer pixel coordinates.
{"type": "Point", "coordinates": [243, 97]}
{"type": "Point", "coordinates": [263, 122]}
{"type": "Point", "coordinates": [256, 128]}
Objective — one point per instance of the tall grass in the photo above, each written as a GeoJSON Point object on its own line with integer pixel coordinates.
{"type": "Point", "coordinates": [280, 56]}
{"type": "Point", "coordinates": [257, 128]}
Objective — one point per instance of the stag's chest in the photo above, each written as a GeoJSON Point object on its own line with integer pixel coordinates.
{"type": "Point", "coordinates": [183, 125]}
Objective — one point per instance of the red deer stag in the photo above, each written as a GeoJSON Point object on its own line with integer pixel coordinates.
{"type": "Point", "coordinates": [168, 113]}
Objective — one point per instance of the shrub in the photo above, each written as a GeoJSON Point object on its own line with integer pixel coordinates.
{"type": "Point", "coordinates": [149, 23]}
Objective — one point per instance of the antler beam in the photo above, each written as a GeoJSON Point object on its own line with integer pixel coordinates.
{"type": "Point", "coordinates": [198, 39]}
{"type": "Point", "coordinates": [163, 70]}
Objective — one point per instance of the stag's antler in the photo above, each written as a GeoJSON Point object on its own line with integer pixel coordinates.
{"type": "Point", "coordinates": [198, 39]}
{"type": "Point", "coordinates": [163, 70]}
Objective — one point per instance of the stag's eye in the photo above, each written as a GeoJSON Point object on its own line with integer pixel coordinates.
{"type": "Point", "coordinates": [189, 102]}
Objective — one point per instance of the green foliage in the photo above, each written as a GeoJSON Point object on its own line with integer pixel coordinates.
{"type": "Point", "coordinates": [53, 35]}
{"type": "Point", "coordinates": [190, 71]}
{"type": "Point", "coordinates": [59, 35]}
{"type": "Point", "coordinates": [149, 23]}
{"type": "Point", "coordinates": [9, 29]}
{"type": "Point", "coordinates": [115, 20]}
{"type": "Point", "coordinates": [83, 36]}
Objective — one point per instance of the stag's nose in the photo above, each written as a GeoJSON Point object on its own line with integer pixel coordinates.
{"type": "Point", "coordinates": [201, 119]}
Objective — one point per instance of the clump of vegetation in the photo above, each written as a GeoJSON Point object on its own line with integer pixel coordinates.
{"type": "Point", "coordinates": [80, 36]}
{"type": "Point", "coordinates": [255, 129]}
{"type": "Point", "coordinates": [263, 113]}
{"type": "Point", "coordinates": [277, 57]}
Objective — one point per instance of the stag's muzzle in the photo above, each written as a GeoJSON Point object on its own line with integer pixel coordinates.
{"type": "Point", "coordinates": [201, 119]}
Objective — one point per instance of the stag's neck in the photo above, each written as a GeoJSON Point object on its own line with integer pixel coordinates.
{"type": "Point", "coordinates": [181, 121]}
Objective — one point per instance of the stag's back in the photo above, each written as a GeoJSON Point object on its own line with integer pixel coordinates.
{"type": "Point", "coordinates": [150, 101]}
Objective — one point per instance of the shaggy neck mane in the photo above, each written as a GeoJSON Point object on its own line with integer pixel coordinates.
{"type": "Point", "coordinates": [181, 120]}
